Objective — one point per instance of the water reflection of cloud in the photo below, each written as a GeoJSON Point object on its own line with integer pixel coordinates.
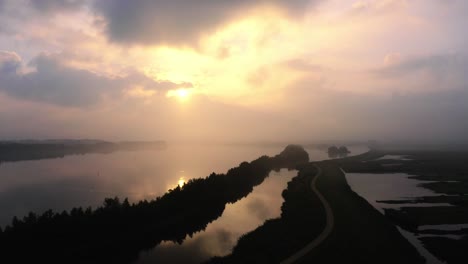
{"type": "Point", "coordinates": [222, 243]}
{"type": "Point", "coordinates": [259, 208]}
{"type": "Point", "coordinates": [169, 252]}
{"type": "Point", "coordinates": [194, 250]}
{"type": "Point", "coordinates": [221, 236]}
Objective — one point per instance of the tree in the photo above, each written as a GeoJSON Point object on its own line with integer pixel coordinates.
{"type": "Point", "coordinates": [343, 150]}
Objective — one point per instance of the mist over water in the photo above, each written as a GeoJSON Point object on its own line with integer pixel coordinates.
{"type": "Point", "coordinates": [223, 82]}
{"type": "Point", "coordinates": [85, 180]}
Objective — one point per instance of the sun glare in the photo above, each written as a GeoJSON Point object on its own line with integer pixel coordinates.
{"type": "Point", "coordinates": [181, 182]}
{"type": "Point", "coordinates": [182, 94]}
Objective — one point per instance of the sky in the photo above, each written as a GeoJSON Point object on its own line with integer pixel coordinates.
{"type": "Point", "coordinates": [238, 70]}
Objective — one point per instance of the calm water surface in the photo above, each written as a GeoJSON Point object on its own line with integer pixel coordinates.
{"type": "Point", "coordinates": [85, 180]}
{"type": "Point", "coordinates": [389, 186]}
{"type": "Point", "coordinates": [393, 186]}
{"type": "Point", "coordinates": [220, 236]}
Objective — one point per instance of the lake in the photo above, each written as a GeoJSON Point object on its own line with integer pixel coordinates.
{"type": "Point", "coordinates": [85, 180]}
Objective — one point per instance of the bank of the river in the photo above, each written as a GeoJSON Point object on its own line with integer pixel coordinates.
{"type": "Point", "coordinates": [118, 231]}
{"type": "Point", "coordinates": [360, 234]}
{"type": "Point", "coordinates": [302, 219]}
{"type": "Point", "coordinates": [435, 221]}
{"type": "Point", "coordinates": [221, 235]}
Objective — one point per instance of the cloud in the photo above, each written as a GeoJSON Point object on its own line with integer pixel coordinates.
{"type": "Point", "coordinates": [435, 63]}
{"type": "Point", "coordinates": [378, 6]}
{"type": "Point", "coordinates": [56, 83]}
{"type": "Point", "coordinates": [434, 72]}
{"type": "Point", "coordinates": [435, 115]}
{"type": "Point", "coordinates": [15, 15]}
{"type": "Point", "coordinates": [259, 208]}
{"type": "Point", "coordinates": [42, 6]}
{"type": "Point", "coordinates": [392, 59]}
{"type": "Point", "coordinates": [178, 21]}
{"type": "Point", "coordinates": [47, 6]}
{"type": "Point", "coordinates": [9, 62]}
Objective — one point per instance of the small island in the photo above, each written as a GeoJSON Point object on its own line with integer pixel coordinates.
{"type": "Point", "coordinates": [338, 152]}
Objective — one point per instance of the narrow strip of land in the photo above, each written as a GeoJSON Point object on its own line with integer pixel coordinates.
{"type": "Point", "coordinates": [328, 226]}
{"type": "Point", "coordinates": [361, 234]}
{"type": "Point", "coordinates": [348, 229]}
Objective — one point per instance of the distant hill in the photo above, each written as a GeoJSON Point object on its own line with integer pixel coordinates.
{"type": "Point", "coordinates": [19, 150]}
{"type": "Point", "coordinates": [55, 141]}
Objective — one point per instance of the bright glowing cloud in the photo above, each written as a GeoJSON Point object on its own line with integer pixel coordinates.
{"type": "Point", "coordinates": [183, 94]}
{"type": "Point", "coordinates": [128, 60]}
{"type": "Point", "coordinates": [140, 92]}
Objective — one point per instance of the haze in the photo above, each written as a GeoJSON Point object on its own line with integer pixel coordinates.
{"type": "Point", "coordinates": [234, 70]}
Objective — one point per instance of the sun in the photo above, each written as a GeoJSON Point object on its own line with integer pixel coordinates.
{"type": "Point", "coordinates": [183, 94]}
{"type": "Point", "coordinates": [181, 182]}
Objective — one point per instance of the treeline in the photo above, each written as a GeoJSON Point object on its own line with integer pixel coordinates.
{"type": "Point", "coordinates": [118, 231]}
{"type": "Point", "coordinates": [338, 152]}
{"type": "Point", "coordinates": [11, 151]}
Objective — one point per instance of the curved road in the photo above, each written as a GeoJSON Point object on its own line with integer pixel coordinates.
{"type": "Point", "coordinates": [326, 231]}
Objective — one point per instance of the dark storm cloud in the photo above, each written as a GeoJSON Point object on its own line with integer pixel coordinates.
{"type": "Point", "coordinates": [178, 21]}
{"type": "Point", "coordinates": [55, 83]}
